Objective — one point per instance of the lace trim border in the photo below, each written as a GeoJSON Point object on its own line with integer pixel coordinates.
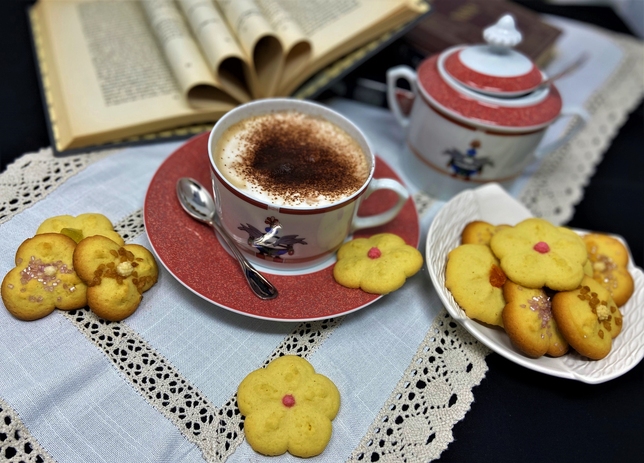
{"type": "Point", "coordinates": [435, 392]}
{"type": "Point", "coordinates": [557, 187]}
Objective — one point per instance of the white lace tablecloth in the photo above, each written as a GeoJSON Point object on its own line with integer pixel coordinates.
{"type": "Point", "coordinates": [160, 386]}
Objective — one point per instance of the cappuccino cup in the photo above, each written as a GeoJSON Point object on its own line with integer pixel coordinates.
{"type": "Point", "coordinates": [288, 178]}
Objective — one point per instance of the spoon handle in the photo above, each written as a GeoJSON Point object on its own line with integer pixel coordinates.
{"type": "Point", "coordinates": [581, 59]}
{"type": "Point", "coordinates": [257, 282]}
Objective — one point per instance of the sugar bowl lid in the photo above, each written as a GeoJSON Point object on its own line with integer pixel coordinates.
{"type": "Point", "coordinates": [495, 68]}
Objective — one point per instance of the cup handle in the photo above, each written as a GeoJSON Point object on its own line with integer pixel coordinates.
{"type": "Point", "coordinates": [582, 118]}
{"type": "Point", "coordinates": [383, 217]}
{"type": "Point", "coordinates": [393, 92]}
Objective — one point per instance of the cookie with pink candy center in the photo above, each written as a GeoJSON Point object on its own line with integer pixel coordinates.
{"type": "Point", "coordinates": [535, 253]}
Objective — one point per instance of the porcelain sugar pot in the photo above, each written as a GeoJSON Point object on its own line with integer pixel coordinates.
{"type": "Point", "coordinates": [478, 115]}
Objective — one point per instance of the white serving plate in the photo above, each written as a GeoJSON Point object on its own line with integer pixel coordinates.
{"type": "Point", "coordinates": [492, 204]}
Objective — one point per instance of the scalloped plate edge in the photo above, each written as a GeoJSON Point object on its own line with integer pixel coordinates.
{"type": "Point", "coordinates": [493, 204]}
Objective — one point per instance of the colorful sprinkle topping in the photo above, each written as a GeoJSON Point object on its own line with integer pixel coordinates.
{"type": "Point", "coordinates": [44, 273]}
{"type": "Point", "coordinates": [542, 306]}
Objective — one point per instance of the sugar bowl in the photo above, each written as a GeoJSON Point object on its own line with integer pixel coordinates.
{"type": "Point", "coordinates": [478, 115]}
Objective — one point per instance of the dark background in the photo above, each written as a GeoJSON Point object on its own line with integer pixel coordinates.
{"type": "Point", "coordinates": [518, 414]}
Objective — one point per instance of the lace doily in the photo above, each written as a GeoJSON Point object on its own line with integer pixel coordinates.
{"type": "Point", "coordinates": [216, 430]}
{"type": "Point", "coordinates": [555, 189]}
{"type": "Point", "coordinates": [16, 443]}
{"type": "Point", "coordinates": [435, 392]}
{"type": "Point", "coordinates": [31, 177]}
{"type": "Point", "coordinates": [449, 363]}
{"type": "Point", "coordinates": [415, 423]}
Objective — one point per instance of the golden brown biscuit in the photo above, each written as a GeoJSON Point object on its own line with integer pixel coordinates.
{"type": "Point", "coordinates": [43, 278]}
{"type": "Point", "coordinates": [528, 320]}
{"type": "Point", "coordinates": [379, 264]}
{"type": "Point", "coordinates": [588, 318]}
{"type": "Point", "coordinates": [534, 253]}
{"type": "Point", "coordinates": [288, 407]}
{"type": "Point", "coordinates": [609, 260]}
{"type": "Point", "coordinates": [479, 232]}
{"type": "Point", "coordinates": [81, 226]}
{"type": "Point", "coordinates": [475, 279]}
{"type": "Point", "coordinates": [116, 275]}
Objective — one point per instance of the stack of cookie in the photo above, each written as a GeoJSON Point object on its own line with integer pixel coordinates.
{"type": "Point", "coordinates": [73, 262]}
{"type": "Point", "coordinates": [549, 288]}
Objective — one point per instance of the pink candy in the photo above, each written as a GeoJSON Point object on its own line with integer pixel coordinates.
{"type": "Point", "coordinates": [374, 253]}
{"type": "Point", "coordinates": [541, 247]}
{"type": "Point", "coordinates": [288, 400]}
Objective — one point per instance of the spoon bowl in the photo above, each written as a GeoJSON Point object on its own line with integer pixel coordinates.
{"type": "Point", "coordinates": [196, 201]}
{"type": "Point", "coordinates": [200, 205]}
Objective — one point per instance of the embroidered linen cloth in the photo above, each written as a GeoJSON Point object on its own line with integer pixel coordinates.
{"type": "Point", "coordinates": [160, 386]}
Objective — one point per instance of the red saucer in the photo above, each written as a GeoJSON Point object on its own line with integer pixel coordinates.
{"type": "Point", "coordinates": [191, 252]}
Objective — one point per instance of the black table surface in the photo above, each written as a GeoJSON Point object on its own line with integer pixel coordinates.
{"type": "Point", "coordinates": [517, 414]}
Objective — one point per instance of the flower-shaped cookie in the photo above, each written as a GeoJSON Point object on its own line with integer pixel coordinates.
{"type": "Point", "coordinates": [288, 407]}
{"type": "Point", "coordinates": [528, 321]}
{"type": "Point", "coordinates": [474, 278]}
{"type": "Point", "coordinates": [535, 253]}
{"type": "Point", "coordinates": [609, 260]}
{"type": "Point", "coordinates": [43, 278]}
{"type": "Point", "coordinates": [588, 318]}
{"type": "Point", "coordinates": [116, 275]}
{"type": "Point", "coordinates": [479, 232]}
{"type": "Point", "coordinates": [380, 264]}
{"type": "Point", "coordinates": [80, 227]}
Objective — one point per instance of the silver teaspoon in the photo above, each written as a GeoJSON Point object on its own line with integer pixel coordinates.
{"type": "Point", "coordinates": [573, 66]}
{"type": "Point", "coordinates": [199, 204]}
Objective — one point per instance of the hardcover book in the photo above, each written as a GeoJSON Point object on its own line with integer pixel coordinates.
{"type": "Point", "coordinates": [456, 22]}
{"type": "Point", "coordinates": [126, 70]}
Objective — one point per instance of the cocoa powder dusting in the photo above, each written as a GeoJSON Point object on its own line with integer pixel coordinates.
{"type": "Point", "coordinates": [292, 159]}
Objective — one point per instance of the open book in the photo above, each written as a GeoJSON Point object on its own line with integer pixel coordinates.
{"type": "Point", "coordinates": [113, 70]}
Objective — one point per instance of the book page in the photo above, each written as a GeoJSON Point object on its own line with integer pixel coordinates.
{"type": "Point", "coordinates": [335, 27]}
{"type": "Point", "coordinates": [103, 74]}
{"type": "Point", "coordinates": [297, 47]}
{"type": "Point", "coordinates": [220, 48]}
{"type": "Point", "coordinates": [183, 55]}
{"type": "Point", "coordinates": [259, 42]}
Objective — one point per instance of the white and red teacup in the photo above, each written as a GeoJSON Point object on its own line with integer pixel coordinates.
{"type": "Point", "coordinates": [288, 178]}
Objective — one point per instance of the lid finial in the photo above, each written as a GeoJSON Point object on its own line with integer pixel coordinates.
{"type": "Point", "coordinates": [503, 34]}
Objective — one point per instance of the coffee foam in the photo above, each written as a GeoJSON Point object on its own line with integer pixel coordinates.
{"type": "Point", "coordinates": [289, 158]}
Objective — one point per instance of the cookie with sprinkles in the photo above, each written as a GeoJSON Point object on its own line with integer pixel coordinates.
{"type": "Point", "coordinates": [608, 259]}
{"type": "Point", "coordinates": [43, 279]}
{"type": "Point", "coordinates": [116, 276]}
{"type": "Point", "coordinates": [588, 318]}
{"type": "Point", "coordinates": [528, 321]}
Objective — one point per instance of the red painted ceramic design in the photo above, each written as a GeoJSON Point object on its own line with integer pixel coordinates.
{"type": "Point", "coordinates": [479, 114]}
{"type": "Point", "coordinates": [537, 112]}
{"type": "Point", "coordinates": [191, 252]}
{"type": "Point", "coordinates": [457, 68]}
